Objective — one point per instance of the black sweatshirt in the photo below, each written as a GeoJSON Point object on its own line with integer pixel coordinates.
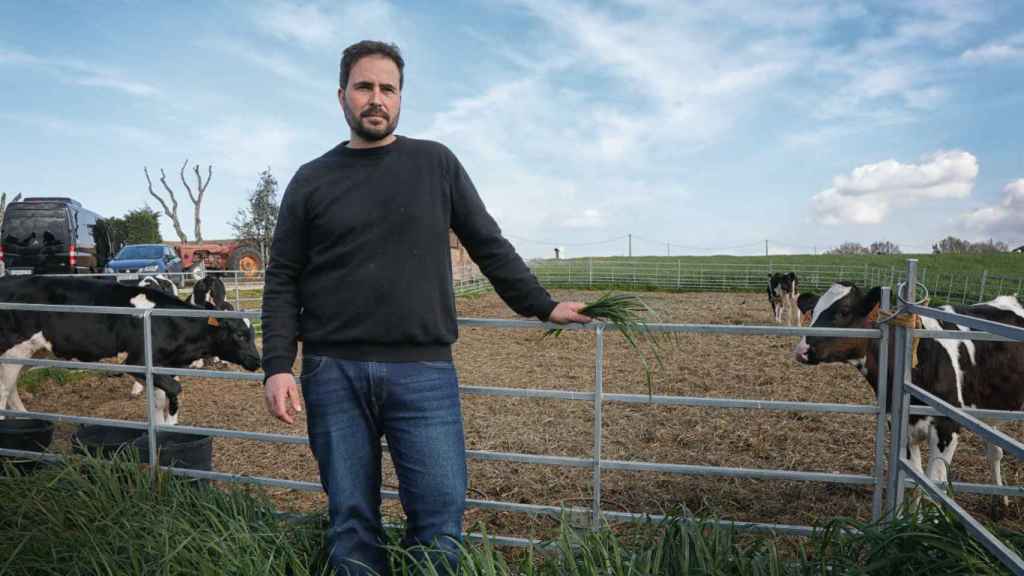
{"type": "Point", "coordinates": [360, 265]}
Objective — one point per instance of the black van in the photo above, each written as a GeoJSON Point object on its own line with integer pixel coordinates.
{"type": "Point", "coordinates": [53, 236]}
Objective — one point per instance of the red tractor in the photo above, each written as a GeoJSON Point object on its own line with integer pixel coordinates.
{"type": "Point", "coordinates": [221, 255]}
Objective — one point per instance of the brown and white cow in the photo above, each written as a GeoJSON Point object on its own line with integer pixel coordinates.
{"type": "Point", "coordinates": [965, 373]}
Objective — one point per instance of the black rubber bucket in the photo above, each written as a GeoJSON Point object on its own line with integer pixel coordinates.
{"type": "Point", "coordinates": [29, 434]}
{"type": "Point", "coordinates": [103, 441]}
{"type": "Point", "coordinates": [179, 449]}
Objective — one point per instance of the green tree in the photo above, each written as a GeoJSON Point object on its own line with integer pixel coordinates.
{"type": "Point", "coordinates": [848, 249]}
{"type": "Point", "coordinates": [884, 247]}
{"type": "Point", "coordinates": [951, 245]}
{"type": "Point", "coordinates": [141, 226]}
{"type": "Point", "coordinates": [256, 222]}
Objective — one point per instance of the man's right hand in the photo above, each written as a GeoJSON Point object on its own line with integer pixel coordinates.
{"type": "Point", "coordinates": [281, 396]}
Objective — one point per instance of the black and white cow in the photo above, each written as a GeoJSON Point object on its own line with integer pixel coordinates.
{"type": "Point", "coordinates": [965, 373]}
{"type": "Point", "coordinates": [177, 342]}
{"type": "Point", "coordinates": [805, 303]}
{"type": "Point", "coordinates": [159, 282]}
{"type": "Point", "coordinates": [209, 292]}
{"type": "Point", "coordinates": [782, 295]}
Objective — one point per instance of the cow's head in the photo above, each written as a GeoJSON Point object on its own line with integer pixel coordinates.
{"type": "Point", "coordinates": [783, 283]}
{"type": "Point", "coordinates": [209, 292]}
{"type": "Point", "coordinates": [843, 306]}
{"type": "Point", "coordinates": [235, 341]}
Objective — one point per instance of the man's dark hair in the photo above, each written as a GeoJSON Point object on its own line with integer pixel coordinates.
{"type": "Point", "coordinates": [359, 50]}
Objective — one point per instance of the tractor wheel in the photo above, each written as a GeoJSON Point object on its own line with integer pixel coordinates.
{"type": "Point", "coordinates": [246, 259]}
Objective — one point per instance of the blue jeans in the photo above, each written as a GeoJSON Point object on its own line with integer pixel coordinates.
{"type": "Point", "coordinates": [415, 405]}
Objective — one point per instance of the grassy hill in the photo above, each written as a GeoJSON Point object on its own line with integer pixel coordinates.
{"type": "Point", "coordinates": [957, 278]}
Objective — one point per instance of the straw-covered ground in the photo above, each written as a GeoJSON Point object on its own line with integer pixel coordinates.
{"type": "Point", "coordinates": [750, 367]}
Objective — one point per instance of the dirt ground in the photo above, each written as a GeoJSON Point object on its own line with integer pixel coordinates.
{"type": "Point", "coordinates": [749, 367]}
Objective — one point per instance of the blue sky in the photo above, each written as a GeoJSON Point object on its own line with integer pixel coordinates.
{"type": "Point", "coordinates": [697, 127]}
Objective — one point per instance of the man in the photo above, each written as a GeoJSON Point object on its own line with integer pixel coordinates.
{"type": "Point", "coordinates": [360, 267]}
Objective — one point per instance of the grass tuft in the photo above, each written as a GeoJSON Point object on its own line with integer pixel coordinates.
{"type": "Point", "coordinates": [627, 313]}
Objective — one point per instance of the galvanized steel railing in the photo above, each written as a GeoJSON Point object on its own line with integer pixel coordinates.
{"type": "Point", "coordinates": [899, 467]}
{"type": "Point", "coordinates": [597, 397]}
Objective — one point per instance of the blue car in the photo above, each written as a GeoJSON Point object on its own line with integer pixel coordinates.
{"type": "Point", "coordinates": [135, 261]}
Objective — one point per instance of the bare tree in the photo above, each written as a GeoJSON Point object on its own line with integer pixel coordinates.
{"type": "Point", "coordinates": [196, 198]}
{"type": "Point", "coordinates": [3, 204]}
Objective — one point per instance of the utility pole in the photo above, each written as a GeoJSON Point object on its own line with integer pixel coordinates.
{"type": "Point", "coordinates": [630, 245]}
{"type": "Point", "coordinates": [765, 247]}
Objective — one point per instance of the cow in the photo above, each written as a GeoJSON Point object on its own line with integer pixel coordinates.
{"type": "Point", "coordinates": [964, 373]}
{"type": "Point", "coordinates": [782, 295]}
{"type": "Point", "coordinates": [159, 282]}
{"type": "Point", "coordinates": [209, 292]}
{"type": "Point", "coordinates": [806, 302]}
{"type": "Point", "coordinates": [90, 337]}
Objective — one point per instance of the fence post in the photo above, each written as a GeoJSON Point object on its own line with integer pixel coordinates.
{"type": "Point", "coordinates": [238, 298]}
{"type": "Point", "coordinates": [147, 343]}
{"type": "Point", "coordinates": [590, 272]}
{"type": "Point", "coordinates": [901, 399]}
{"type": "Point", "coordinates": [963, 296]}
{"type": "Point", "coordinates": [882, 401]}
{"type": "Point", "coordinates": [866, 282]}
{"type": "Point", "coordinates": [984, 280]}
{"type": "Point", "coordinates": [598, 427]}
{"type": "Point", "coordinates": [892, 275]}
{"type": "Point", "coordinates": [679, 275]}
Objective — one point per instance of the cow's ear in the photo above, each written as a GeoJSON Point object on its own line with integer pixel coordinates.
{"type": "Point", "coordinates": [869, 304]}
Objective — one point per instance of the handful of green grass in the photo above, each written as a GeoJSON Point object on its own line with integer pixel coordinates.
{"type": "Point", "coordinates": [626, 312]}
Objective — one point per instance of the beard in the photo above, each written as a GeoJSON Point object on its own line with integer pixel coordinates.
{"type": "Point", "coordinates": [369, 132]}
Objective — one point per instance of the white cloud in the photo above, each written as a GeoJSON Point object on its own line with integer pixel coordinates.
{"type": "Point", "coordinates": [588, 218]}
{"type": "Point", "coordinates": [1011, 48]}
{"type": "Point", "coordinates": [1003, 220]}
{"type": "Point", "coordinates": [245, 146]}
{"type": "Point", "coordinates": [79, 72]}
{"type": "Point", "coordinates": [325, 25]}
{"type": "Point", "coordinates": [106, 80]}
{"type": "Point", "coordinates": [868, 192]}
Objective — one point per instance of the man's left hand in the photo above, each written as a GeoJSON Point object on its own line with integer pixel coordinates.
{"type": "Point", "coordinates": [567, 313]}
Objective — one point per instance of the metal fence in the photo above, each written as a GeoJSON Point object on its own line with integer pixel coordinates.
{"type": "Point", "coordinates": [597, 397]}
{"type": "Point", "coordinates": [898, 467]}
{"type": "Point", "coordinates": [666, 275]}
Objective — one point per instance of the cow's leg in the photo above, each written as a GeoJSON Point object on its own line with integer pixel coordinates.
{"type": "Point", "coordinates": [15, 398]}
{"type": "Point", "coordinates": [994, 456]}
{"type": "Point", "coordinates": [942, 445]}
{"type": "Point", "coordinates": [9, 372]}
{"type": "Point", "coordinates": [919, 432]}
{"type": "Point", "coordinates": [162, 414]}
